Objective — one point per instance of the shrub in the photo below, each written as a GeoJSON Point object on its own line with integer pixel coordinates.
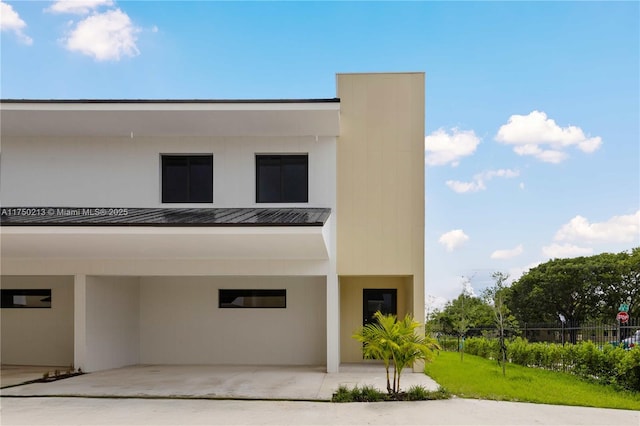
{"type": "Point", "coordinates": [448, 343]}
{"type": "Point", "coordinates": [537, 354]}
{"type": "Point", "coordinates": [554, 357]}
{"type": "Point", "coordinates": [480, 346]}
{"type": "Point", "coordinates": [628, 370]}
{"type": "Point", "coordinates": [371, 394]}
{"type": "Point", "coordinates": [357, 394]}
{"type": "Point", "coordinates": [342, 395]}
{"type": "Point", "coordinates": [441, 393]}
{"type": "Point", "coordinates": [587, 358]}
{"type": "Point", "coordinates": [417, 393]}
{"type": "Point", "coordinates": [420, 393]}
{"type": "Point", "coordinates": [518, 353]}
{"type": "Point", "coordinates": [367, 394]}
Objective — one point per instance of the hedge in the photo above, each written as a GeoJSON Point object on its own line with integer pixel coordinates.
{"type": "Point", "coordinates": [606, 364]}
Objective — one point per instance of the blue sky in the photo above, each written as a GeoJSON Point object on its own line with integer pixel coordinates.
{"type": "Point", "coordinates": [532, 146]}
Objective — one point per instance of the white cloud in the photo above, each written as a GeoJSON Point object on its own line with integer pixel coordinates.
{"type": "Point", "coordinates": [505, 173]}
{"type": "Point", "coordinates": [590, 145]}
{"type": "Point", "coordinates": [571, 238]}
{"type": "Point", "coordinates": [478, 182]}
{"type": "Point", "coordinates": [565, 250]}
{"type": "Point", "coordinates": [618, 229]}
{"type": "Point", "coordinates": [551, 156]}
{"type": "Point", "coordinates": [507, 254]}
{"type": "Point", "coordinates": [11, 21]}
{"type": "Point", "coordinates": [521, 185]}
{"type": "Point", "coordinates": [453, 239]}
{"type": "Point", "coordinates": [448, 148]}
{"type": "Point", "coordinates": [104, 36]}
{"type": "Point", "coordinates": [464, 187]}
{"type": "Point", "coordinates": [77, 7]}
{"type": "Point", "coordinates": [535, 134]}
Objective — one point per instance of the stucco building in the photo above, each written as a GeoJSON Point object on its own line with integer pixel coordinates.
{"type": "Point", "coordinates": [210, 232]}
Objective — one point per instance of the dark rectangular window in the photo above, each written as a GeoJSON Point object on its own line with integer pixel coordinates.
{"type": "Point", "coordinates": [187, 178]}
{"type": "Point", "coordinates": [282, 178]}
{"type": "Point", "coordinates": [26, 298]}
{"type": "Point", "coordinates": [252, 298]}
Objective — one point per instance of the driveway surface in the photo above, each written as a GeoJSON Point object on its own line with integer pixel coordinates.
{"type": "Point", "coordinates": [211, 381]}
{"type": "Point", "coordinates": [193, 395]}
{"type": "Point", "coordinates": [94, 411]}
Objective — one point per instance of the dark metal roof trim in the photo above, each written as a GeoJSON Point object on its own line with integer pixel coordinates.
{"type": "Point", "coordinates": [169, 101]}
{"type": "Point", "coordinates": [204, 217]}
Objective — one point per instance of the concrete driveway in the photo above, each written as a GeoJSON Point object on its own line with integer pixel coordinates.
{"type": "Point", "coordinates": [100, 411]}
{"type": "Point", "coordinates": [151, 395]}
{"type": "Point", "coordinates": [210, 381]}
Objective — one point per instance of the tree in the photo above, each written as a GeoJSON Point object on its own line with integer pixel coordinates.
{"type": "Point", "coordinates": [396, 343]}
{"type": "Point", "coordinates": [462, 314]}
{"type": "Point", "coordinates": [580, 289]}
{"type": "Point", "coordinates": [476, 311]}
{"type": "Point", "coordinates": [413, 347]}
{"type": "Point", "coordinates": [618, 279]}
{"type": "Point", "coordinates": [494, 297]}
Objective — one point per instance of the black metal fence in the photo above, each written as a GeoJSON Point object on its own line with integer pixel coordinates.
{"type": "Point", "coordinates": [574, 332]}
{"type": "Point", "coordinates": [599, 333]}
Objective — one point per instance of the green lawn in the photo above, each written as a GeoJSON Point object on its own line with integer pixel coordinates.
{"type": "Point", "coordinates": [477, 377]}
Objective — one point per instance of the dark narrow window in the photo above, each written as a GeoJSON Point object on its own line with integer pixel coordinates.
{"type": "Point", "coordinates": [252, 298]}
{"type": "Point", "coordinates": [26, 298]}
{"type": "Point", "coordinates": [282, 178]}
{"type": "Point", "coordinates": [187, 178]}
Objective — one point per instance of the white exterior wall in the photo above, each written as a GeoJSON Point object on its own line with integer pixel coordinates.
{"type": "Point", "coordinates": [180, 322]}
{"type": "Point", "coordinates": [125, 172]}
{"type": "Point", "coordinates": [39, 336]}
{"type": "Point", "coordinates": [112, 322]}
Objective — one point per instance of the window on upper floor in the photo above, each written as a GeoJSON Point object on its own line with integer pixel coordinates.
{"type": "Point", "coordinates": [187, 178]}
{"type": "Point", "coordinates": [282, 178]}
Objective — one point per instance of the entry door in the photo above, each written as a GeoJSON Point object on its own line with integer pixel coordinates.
{"type": "Point", "coordinates": [378, 299]}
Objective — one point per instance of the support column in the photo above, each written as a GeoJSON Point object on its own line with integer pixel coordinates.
{"type": "Point", "coordinates": [80, 322]}
{"type": "Point", "coordinates": [333, 324]}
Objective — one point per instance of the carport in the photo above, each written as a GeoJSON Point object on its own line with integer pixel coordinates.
{"type": "Point", "coordinates": [145, 288]}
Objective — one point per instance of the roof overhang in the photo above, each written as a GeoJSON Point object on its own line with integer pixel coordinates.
{"type": "Point", "coordinates": [161, 118]}
{"type": "Point", "coordinates": [164, 233]}
{"type": "Point", "coordinates": [133, 242]}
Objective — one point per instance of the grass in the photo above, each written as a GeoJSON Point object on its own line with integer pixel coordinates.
{"type": "Point", "coordinates": [481, 378]}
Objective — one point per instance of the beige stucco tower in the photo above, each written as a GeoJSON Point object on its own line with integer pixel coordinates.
{"type": "Point", "coordinates": [380, 199]}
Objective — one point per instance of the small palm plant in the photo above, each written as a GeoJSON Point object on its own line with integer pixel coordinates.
{"type": "Point", "coordinates": [395, 343]}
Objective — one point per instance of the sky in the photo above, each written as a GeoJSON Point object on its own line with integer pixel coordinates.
{"type": "Point", "coordinates": [532, 124]}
